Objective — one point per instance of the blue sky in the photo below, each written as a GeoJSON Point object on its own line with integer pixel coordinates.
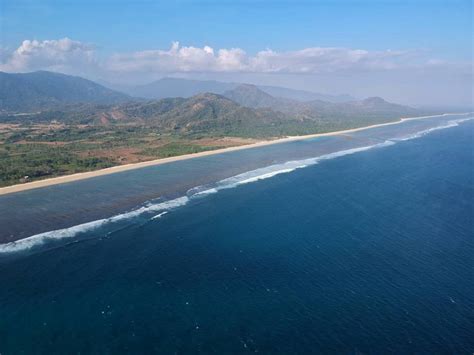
{"type": "Point", "coordinates": [440, 26]}
{"type": "Point", "coordinates": [436, 30]}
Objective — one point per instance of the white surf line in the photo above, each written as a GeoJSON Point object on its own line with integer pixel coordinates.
{"type": "Point", "coordinates": [121, 168]}
{"type": "Point", "coordinates": [449, 124]}
{"type": "Point", "coordinates": [166, 206]}
{"type": "Point", "coordinates": [70, 232]}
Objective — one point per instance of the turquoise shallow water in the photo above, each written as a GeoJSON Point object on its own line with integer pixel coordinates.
{"type": "Point", "coordinates": [369, 251]}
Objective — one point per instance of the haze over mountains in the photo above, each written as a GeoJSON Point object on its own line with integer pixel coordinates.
{"type": "Point", "coordinates": [252, 96]}
{"type": "Point", "coordinates": [54, 124]}
{"type": "Point", "coordinates": [248, 111]}
{"type": "Point", "coordinates": [240, 110]}
{"type": "Point", "coordinates": [177, 87]}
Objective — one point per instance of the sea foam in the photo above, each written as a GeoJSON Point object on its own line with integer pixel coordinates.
{"type": "Point", "coordinates": [449, 124]}
{"type": "Point", "coordinates": [164, 207]}
{"type": "Point", "coordinates": [70, 232]}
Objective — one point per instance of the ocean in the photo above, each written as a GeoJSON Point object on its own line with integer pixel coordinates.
{"type": "Point", "coordinates": [359, 243]}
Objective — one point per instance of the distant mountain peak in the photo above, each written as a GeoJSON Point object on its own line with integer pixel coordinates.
{"type": "Point", "coordinates": [44, 90]}
{"type": "Point", "coordinates": [249, 88]}
{"type": "Point", "coordinates": [250, 96]}
{"type": "Point", "coordinates": [179, 87]}
{"type": "Point", "coordinates": [379, 104]}
{"type": "Point", "coordinates": [374, 100]}
{"type": "Point", "coordinates": [206, 96]}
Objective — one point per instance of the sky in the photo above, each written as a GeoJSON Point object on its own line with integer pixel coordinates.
{"type": "Point", "coordinates": [417, 52]}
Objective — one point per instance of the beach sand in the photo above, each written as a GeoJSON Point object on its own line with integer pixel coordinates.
{"type": "Point", "coordinates": [120, 168]}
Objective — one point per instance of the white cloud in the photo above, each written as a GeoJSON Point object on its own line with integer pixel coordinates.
{"type": "Point", "coordinates": [71, 56]}
{"type": "Point", "coordinates": [179, 59]}
{"type": "Point", "coordinates": [411, 74]}
{"type": "Point", "coordinates": [62, 55]}
{"type": "Point", "coordinates": [206, 59]}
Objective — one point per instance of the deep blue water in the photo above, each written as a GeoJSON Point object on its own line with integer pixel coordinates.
{"type": "Point", "coordinates": [371, 252]}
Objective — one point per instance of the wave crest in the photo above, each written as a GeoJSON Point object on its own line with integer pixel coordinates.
{"type": "Point", "coordinates": [201, 191]}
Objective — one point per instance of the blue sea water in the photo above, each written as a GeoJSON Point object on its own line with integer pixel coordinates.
{"type": "Point", "coordinates": [365, 251]}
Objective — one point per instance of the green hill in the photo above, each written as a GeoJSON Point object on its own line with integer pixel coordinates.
{"type": "Point", "coordinates": [43, 90]}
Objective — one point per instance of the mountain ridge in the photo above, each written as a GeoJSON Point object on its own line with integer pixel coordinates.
{"type": "Point", "coordinates": [44, 89]}
{"type": "Point", "coordinates": [245, 110]}
{"type": "Point", "coordinates": [178, 87]}
{"type": "Point", "coordinates": [251, 96]}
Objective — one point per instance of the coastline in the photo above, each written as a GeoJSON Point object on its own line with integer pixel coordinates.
{"type": "Point", "coordinates": [121, 168]}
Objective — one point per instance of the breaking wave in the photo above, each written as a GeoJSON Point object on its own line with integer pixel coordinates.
{"type": "Point", "coordinates": [165, 207]}
{"type": "Point", "coordinates": [41, 238]}
{"type": "Point", "coordinates": [449, 124]}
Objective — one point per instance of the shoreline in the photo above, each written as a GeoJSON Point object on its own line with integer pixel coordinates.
{"type": "Point", "coordinates": [121, 168]}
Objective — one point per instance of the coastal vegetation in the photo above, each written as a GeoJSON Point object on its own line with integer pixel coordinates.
{"type": "Point", "coordinates": [34, 151]}
{"type": "Point", "coordinates": [53, 124]}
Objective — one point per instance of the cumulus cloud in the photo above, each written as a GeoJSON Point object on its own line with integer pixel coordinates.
{"type": "Point", "coordinates": [206, 59]}
{"type": "Point", "coordinates": [179, 59]}
{"type": "Point", "coordinates": [62, 55]}
{"type": "Point", "coordinates": [71, 56]}
{"type": "Point", "coordinates": [414, 75]}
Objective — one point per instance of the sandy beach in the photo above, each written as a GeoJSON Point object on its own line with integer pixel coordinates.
{"type": "Point", "coordinates": [121, 168]}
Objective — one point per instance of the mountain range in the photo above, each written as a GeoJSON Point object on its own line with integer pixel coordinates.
{"type": "Point", "coordinates": [248, 108]}
{"type": "Point", "coordinates": [178, 87]}
{"type": "Point", "coordinates": [240, 110]}
{"type": "Point", "coordinates": [251, 96]}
